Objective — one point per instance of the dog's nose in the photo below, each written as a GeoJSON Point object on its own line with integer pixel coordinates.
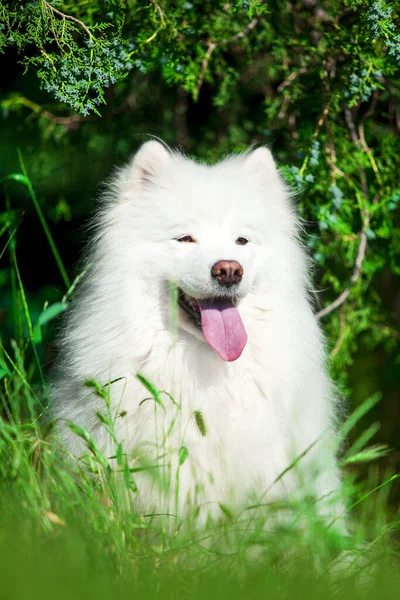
{"type": "Point", "coordinates": [227, 272]}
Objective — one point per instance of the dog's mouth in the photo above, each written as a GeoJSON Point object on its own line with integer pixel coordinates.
{"type": "Point", "coordinates": [191, 307]}
{"type": "Point", "coordinates": [220, 322]}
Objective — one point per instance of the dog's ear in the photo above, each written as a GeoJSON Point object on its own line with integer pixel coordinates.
{"type": "Point", "coordinates": [151, 157]}
{"type": "Point", "coordinates": [260, 161]}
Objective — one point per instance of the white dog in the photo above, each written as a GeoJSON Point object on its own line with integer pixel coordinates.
{"type": "Point", "coordinates": [238, 357]}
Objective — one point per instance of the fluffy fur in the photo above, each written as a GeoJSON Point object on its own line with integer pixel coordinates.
{"type": "Point", "coordinates": [262, 410]}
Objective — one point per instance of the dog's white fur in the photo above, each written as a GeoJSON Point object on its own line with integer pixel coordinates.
{"type": "Point", "coordinates": [261, 411]}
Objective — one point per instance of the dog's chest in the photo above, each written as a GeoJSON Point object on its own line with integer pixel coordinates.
{"type": "Point", "coordinates": [234, 422]}
{"type": "Point", "coordinates": [237, 434]}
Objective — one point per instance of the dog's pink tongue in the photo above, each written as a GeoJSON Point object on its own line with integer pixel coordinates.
{"type": "Point", "coordinates": [223, 329]}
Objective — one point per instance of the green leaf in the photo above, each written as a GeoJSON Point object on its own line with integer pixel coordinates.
{"type": "Point", "coordinates": [200, 422]}
{"type": "Point", "coordinates": [368, 454]}
{"type": "Point", "coordinates": [150, 387]}
{"type": "Point", "coordinates": [37, 335]}
{"type": "Point", "coordinates": [356, 415]}
{"type": "Point", "coordinates": [120, 454]}
{"type": "Point", "coordinates": [97, 387]}
{"type": "Point", "coordinates": [52, 312]}
{"type": "Point", "coordinates": [86, 436]}
{"type": "Point", "coordinates": [102, 418]}
{"type": "Point", "coordinates": [46, 316]}
{"type": "Point", "coordinates": [227, 512]}
{"type": "Point", "coordinates": [10, 217]}
{"type": "Point", "coordinates": [147, 468]}
{"type": "Point", "coordinates": [82, 433]}
{"type": "Point", "coordinates": [364, 438]}
{"type": "Point", "coordinates": [16, 177]}
{"type": "Point", "coordinates": [183, 454]}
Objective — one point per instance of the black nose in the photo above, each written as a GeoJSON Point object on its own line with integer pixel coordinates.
{"type": "Point", "coordinates": [227, 272]}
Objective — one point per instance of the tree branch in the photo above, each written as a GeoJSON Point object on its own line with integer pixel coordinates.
{"type": "Point", "coordinates": [204, 65]}
{"type": "Point", "coordinates": [342, 332]}
{"type": "Point", "coordinates": [159, 9]}
{"type": "Point", "coordinates": [355, 275]}
{"type": "Point", "coordinates": [69, 17]}
{"type": "Point", "coordinates": [291, 78]}
{"type": "Point", "coordinates": [362, 247]}
{"type": "Point", "coordinates": [211, 46]}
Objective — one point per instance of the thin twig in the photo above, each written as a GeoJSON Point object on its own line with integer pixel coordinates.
{"type": "Point", "coordinates": [204, 65]}
{"type": "Point", "coordinates": [211, 46]}
{"type": "Point", "coordinates": [62, 120]}
{"type": "Point", "coordinates": [47, 8]}
{"type": "Point", "coordinates": [38, 110]}
{"type": "Point", "coordinates": [242, 34]}
{"type": "Point", "coordinates": [362, 248]}
{"type": "Point", "coordinates": [287, 99]}
{"type": "Point", "coordinates": [159, 9]}
{"type": "Point", "coordinates": [129, 103]}
{"type": "Point", "coordinates": [69, 17]}
{"type": "Point", "coordinates": [355, 275]}
{"type": "Point", "coordinates": [284, 107]}
{"type": "Point", "coordinates": [291, 78]}
{"type": "Point", "coordinates": [330, 151]}
{"type": "Point", "coordinates": [363, 141]}
{"type": "Point", "coordinates": [342, 332]}
{"type": "Point", "coordinates": [350, 124]}
{"type": "Point", "coordinates": [315, 134]}
{"type": "Point", "coordinates": [331, 159]}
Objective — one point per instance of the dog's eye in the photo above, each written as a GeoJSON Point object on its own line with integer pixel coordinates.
{"type": "Point", "coordinates": [186, 239]}
{"type": "Point", "coordinates": [241, 241]}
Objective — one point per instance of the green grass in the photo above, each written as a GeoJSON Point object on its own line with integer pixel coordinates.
{"type": "Point", "coordinates": [68, 528]}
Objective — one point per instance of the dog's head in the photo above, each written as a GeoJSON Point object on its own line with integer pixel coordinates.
{"type": "Point", "coordinates": [219, 233]}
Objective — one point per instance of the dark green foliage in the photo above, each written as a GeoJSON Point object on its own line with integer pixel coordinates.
{"type": "Point", "coordinates": [79, 53]}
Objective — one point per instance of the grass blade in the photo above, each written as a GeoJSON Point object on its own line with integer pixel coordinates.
{"type": "Point", "coordinates": [24, 180]}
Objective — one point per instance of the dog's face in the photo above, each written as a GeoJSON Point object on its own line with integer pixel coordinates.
{"type": "Point", "coordinates": [215, 264]}
{"type": "Point", "coordinates": [217, 233]}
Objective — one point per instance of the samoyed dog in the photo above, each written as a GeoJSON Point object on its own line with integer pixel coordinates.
{"type": "Point", "coordinates": [199, 285]}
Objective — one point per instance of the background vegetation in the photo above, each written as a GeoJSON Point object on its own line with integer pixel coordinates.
{"type": "Point", "coordinates": [84, 83]}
